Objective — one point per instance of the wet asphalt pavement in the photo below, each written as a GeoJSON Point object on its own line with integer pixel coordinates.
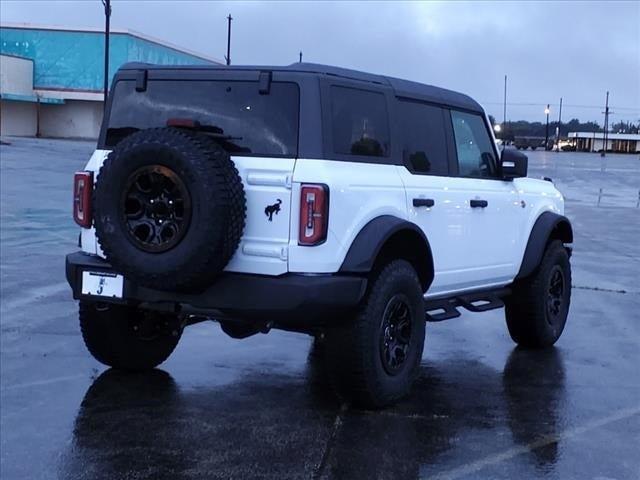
{"type": "Point", "coordinates": [261, 407]}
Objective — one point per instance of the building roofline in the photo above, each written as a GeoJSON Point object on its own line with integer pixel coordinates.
{"type": "Point", "coordinates": [600, 135]}
{"type": "Point", "coordinates": [19, 57]}
{"type": "Point", "coordinates": [116, 31]}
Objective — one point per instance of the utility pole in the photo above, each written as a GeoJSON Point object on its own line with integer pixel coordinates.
{"type": "Point", "coordinates": [504, 113]}
{"type": "Point", "coordinates": [546, 131]}
{"type": "Point", "coordinates": [559, 124]}
{"type": "Point", "coordinates": [228, 57]}
{"type": "Point", "coordinates": [300, 61]}
{"type": "Point", "coordinates": [606, 127]}
{"type": "Point", "coordinates": [107, 15]}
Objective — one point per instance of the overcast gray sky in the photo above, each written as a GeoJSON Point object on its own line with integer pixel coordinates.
{"type": "Point", "coordinates": [576, 50]}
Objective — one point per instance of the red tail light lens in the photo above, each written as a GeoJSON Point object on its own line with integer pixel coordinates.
{"type": "Point", "coordinates": [82, 190]}
{"type": "Point", "coordinates": [314, 214]}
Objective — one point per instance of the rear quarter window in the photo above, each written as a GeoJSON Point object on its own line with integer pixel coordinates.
{"type": "Point", "coordinates": [247, 122]}
{"type": "Point", "coordinates": [360, 123]}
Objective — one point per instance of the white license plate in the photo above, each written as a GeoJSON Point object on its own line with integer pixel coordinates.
{"type": "Point", "coordinates": [102, 284]}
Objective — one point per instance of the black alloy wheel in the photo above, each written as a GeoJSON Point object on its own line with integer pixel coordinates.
{"type": "Point", "coordinates": [395, 334]}
{"type": "Point", "coordinates": [555, 296]}
{"type": "Point", "coordinates": [156, 208]}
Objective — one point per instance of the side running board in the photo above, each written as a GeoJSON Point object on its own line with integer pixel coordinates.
{"type": "Point", "coordinates": [446, 308]}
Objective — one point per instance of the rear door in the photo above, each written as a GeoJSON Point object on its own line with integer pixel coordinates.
{"type": "Point", "coordinates": [430, 201]}
{"type": "Point", "coordinates": [256, 123]}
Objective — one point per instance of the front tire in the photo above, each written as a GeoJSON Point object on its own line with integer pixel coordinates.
{"type": "Point", "coordinates": [373, 359]}
{"type": "Point", "coordinates": [537, 310]}
{"type": "Point", "coordinates": [127, 338]}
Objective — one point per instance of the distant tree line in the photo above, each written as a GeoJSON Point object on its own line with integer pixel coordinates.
{"type": "Point", "coordinates": [522, 128]}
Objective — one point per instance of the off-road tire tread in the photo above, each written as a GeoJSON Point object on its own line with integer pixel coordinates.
{"type": "Point", "coordinates": [236, 197]}
{"type": "Point", "coordinates": [353, 372]}
{"type": "Point", "coordinates": [525, 309]}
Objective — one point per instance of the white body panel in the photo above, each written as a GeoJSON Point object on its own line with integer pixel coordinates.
{"type": "Point", "coordinates": [475, 248]}
{"type": "Point", "coordinates": [539, 196]}
{"type": "Point", "coordinates": [358, 193]}
{"type": "Point", "coordinates": [472, 248]}
{"type": "Point", "coordinates": [264, 244]}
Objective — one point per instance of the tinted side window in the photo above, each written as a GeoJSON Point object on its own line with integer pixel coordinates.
{"type": "Point", "coordinates": [360, 123]}
{"type": "Point", "coordinates": [423, 138]}
{"type": "Point", "coordinates": [476, 156]}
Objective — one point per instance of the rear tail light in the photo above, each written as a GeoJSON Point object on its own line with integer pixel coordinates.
{"type": "Point", "coordinates": [82, 190]}
{"type": "Point", "coordinates": [314, 214]}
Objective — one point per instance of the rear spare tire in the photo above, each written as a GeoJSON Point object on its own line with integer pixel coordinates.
{"type": "Point", "coordinates": [169, 209]}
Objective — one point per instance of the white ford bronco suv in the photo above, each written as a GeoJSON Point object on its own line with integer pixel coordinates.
{"type": "Point", "coordinates": [350, 206]}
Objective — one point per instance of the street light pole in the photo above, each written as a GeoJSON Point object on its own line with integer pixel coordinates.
{"type": "Point", "coordinates": [107, 15]}
{"type": "Point", "coordinates": [546, 132]}
{"type": "Point", "coordinates": [605, 135]}
{"type": "Point", "coordinates": [504, 114]}
{"type": "Point", "coordinates": [559, 125]}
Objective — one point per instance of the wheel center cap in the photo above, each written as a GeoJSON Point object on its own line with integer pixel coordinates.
{"type": "Point", "coordinates": [160, 208]}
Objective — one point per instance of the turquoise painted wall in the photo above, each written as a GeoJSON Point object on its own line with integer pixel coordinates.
{"type": "Point", "coordinates": [75, 60]}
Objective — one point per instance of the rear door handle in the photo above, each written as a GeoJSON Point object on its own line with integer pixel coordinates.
{"type": "Point", "coordinates": [423, 202]}
{"type": "Point", "coordinates": [478, 203]}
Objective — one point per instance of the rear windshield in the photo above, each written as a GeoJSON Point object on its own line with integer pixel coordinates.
{"type": "Point", "coordinates": [247, 122]}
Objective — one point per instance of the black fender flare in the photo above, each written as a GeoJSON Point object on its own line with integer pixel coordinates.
{"type": "Point", "coordinates": [548, 225]}
{"type": "Point", "coordinates": [372, 238]}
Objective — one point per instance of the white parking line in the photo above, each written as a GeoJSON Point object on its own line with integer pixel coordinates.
{"type": "Point", "coordinates": [39, 383]}
{"type": "Point", "coordinates": [28, 296]}
{"type": "Point", "coordinates": [474, 467]}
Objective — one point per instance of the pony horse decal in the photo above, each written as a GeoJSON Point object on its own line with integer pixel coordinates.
{"type": "Point", "coordinates": [271, 209]}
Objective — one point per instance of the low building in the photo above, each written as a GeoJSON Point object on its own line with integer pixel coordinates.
{"type": "Point", "coordinates": [52, 78]}
{"type": "Point", "coordinates": [594, 142]}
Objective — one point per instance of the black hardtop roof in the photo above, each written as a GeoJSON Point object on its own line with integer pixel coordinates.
{"type": "Point", "coordinates": [402, 88]}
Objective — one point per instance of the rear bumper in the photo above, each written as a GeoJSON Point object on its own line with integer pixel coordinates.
{"type": "Point", "coordinates": [291, 300]}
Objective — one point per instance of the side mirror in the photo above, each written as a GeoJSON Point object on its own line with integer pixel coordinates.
{"type": "Point", "coordinates": [513, 164]}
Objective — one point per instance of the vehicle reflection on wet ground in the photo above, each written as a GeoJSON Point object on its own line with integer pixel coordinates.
{"type": "Point", "coordinates": [262, 408]}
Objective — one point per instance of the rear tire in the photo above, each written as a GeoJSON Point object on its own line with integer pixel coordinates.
{"type": "Point", "coordinates": [373, 359]}
{"type": "Point", "coordinates": [126, 338]}
{"type": "Point", "coordinates": [537, 310]}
